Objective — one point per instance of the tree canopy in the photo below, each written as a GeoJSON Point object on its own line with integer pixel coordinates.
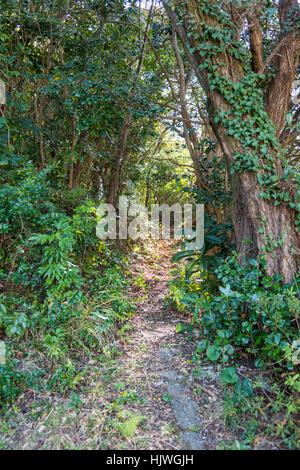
{"type": "Point", "coordinates": [165, 102]}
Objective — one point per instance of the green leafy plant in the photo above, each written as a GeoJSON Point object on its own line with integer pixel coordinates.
{"type": "Point", "coordinates": [229, 375]}
{"type": "Point", "coordinates": [130, 424]}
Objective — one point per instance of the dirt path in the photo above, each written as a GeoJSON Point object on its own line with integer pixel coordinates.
{"type": "Point", "coordinates": [142, 392]}
{"type": "Point", "coordinates": [181, 411]}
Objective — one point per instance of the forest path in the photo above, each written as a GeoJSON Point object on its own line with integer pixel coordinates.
{"type": "Point", "coordinates": [179, 410]}
{"type": "Point", "coordinates": [142, 392]}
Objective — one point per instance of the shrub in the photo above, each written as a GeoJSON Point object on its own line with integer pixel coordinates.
{"type": "Point", "coordinates": [246, 310]}
{"type": "Point", "coordinates": [252, 311]}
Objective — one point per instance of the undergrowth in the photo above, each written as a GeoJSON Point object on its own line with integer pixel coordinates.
{"type": "Point", "coordinates": [242, 316]}
{"type": "Point", "coordinates": [64, 290]}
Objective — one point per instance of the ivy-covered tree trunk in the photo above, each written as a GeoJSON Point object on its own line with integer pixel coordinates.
{"type": "Point", "coordinates": [247, 102]}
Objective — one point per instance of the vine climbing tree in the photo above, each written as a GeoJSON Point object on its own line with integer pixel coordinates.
{"type": "Point", "coordinates": [245, 55]}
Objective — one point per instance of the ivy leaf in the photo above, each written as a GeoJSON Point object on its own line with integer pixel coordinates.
{"type": "Point", "coordinates": [213, 353]}
{"type": "Point", "coordinates": [229, 375]}
{"type": "Point", "coordinates": [201, 346]}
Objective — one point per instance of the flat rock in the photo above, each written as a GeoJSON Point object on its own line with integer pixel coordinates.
{"type": "Point", "coordinates": [192, 440]}
{"type": "Point", "coordinates": [185, 411]}
{"type": "Point", "coordinates": [172, 375]}
{"type": "Point", "coordinates": [168, 354]}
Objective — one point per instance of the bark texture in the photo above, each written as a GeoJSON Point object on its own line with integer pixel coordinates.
{"type": "Point", "coordinates": [249, 208]}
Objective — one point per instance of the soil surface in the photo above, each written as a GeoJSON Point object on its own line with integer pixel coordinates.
{"type": "Point", "coordinates": [180, 399]}
{"type": "Point", "coordinates": [143, 392]}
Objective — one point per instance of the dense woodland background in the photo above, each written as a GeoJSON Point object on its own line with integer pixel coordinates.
{"type": "Point", "coordinates": [163, 102]}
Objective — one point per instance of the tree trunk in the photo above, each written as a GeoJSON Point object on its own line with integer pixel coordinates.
{"type": "Point", "coordinates": [261, 226]}
{"type": "Point", "coordinates": [116, 170]}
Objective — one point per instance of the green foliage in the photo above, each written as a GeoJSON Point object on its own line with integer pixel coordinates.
{"type": "Point", "coordinates": [85, 101]}
{"type": "Point", "coordinates": [252, 311]}
{"type": "Point", "coordinates": [211, 169]}
{"type": "Point", "coordinates": [49, 259]}
{"type": "Point", "coordinates": [56, 268]}
{"type": "Point", "coordinates": [14, 324]}
{"type": "Point", "coordinates": [72, 83]}
{"type": "Point", "coordinates": [213, 352]}
{"type": "Point", "coordinates": [11, 382]}
{"type": "Point", "coordinates": [14, 380]}
{"type": "Point", "coordinates": [65, 378]}
{"type": "Point", "coordinates": [251, 412]}
{"type": "Point", "coordinates": [182, 328]}
{"type": "Point", "coordinates": [130, 424]}
{"type": "Point", "coordinates": [25, 201]}
{"type": "Point", "coordinates": [229, 375]}
{"type": "Point", "coordinates": [226, 73]}
{"type": "Point", "coordinates": [215, 238]}
{"type": "Point", "coordinates": [71, 87]}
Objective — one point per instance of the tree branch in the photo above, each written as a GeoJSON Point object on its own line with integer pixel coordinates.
{"type": "Point", "coordinates": [256, 38]}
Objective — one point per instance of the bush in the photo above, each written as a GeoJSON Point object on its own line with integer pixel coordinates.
{"type": "Point", "coordinates": [246, 310]}
{"type": "Point", "coordinates": [11, 383]}
{"type": "Point", "coordinates": [252, 311]}
{"type": "Point", "coordinates": [14, 381]}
